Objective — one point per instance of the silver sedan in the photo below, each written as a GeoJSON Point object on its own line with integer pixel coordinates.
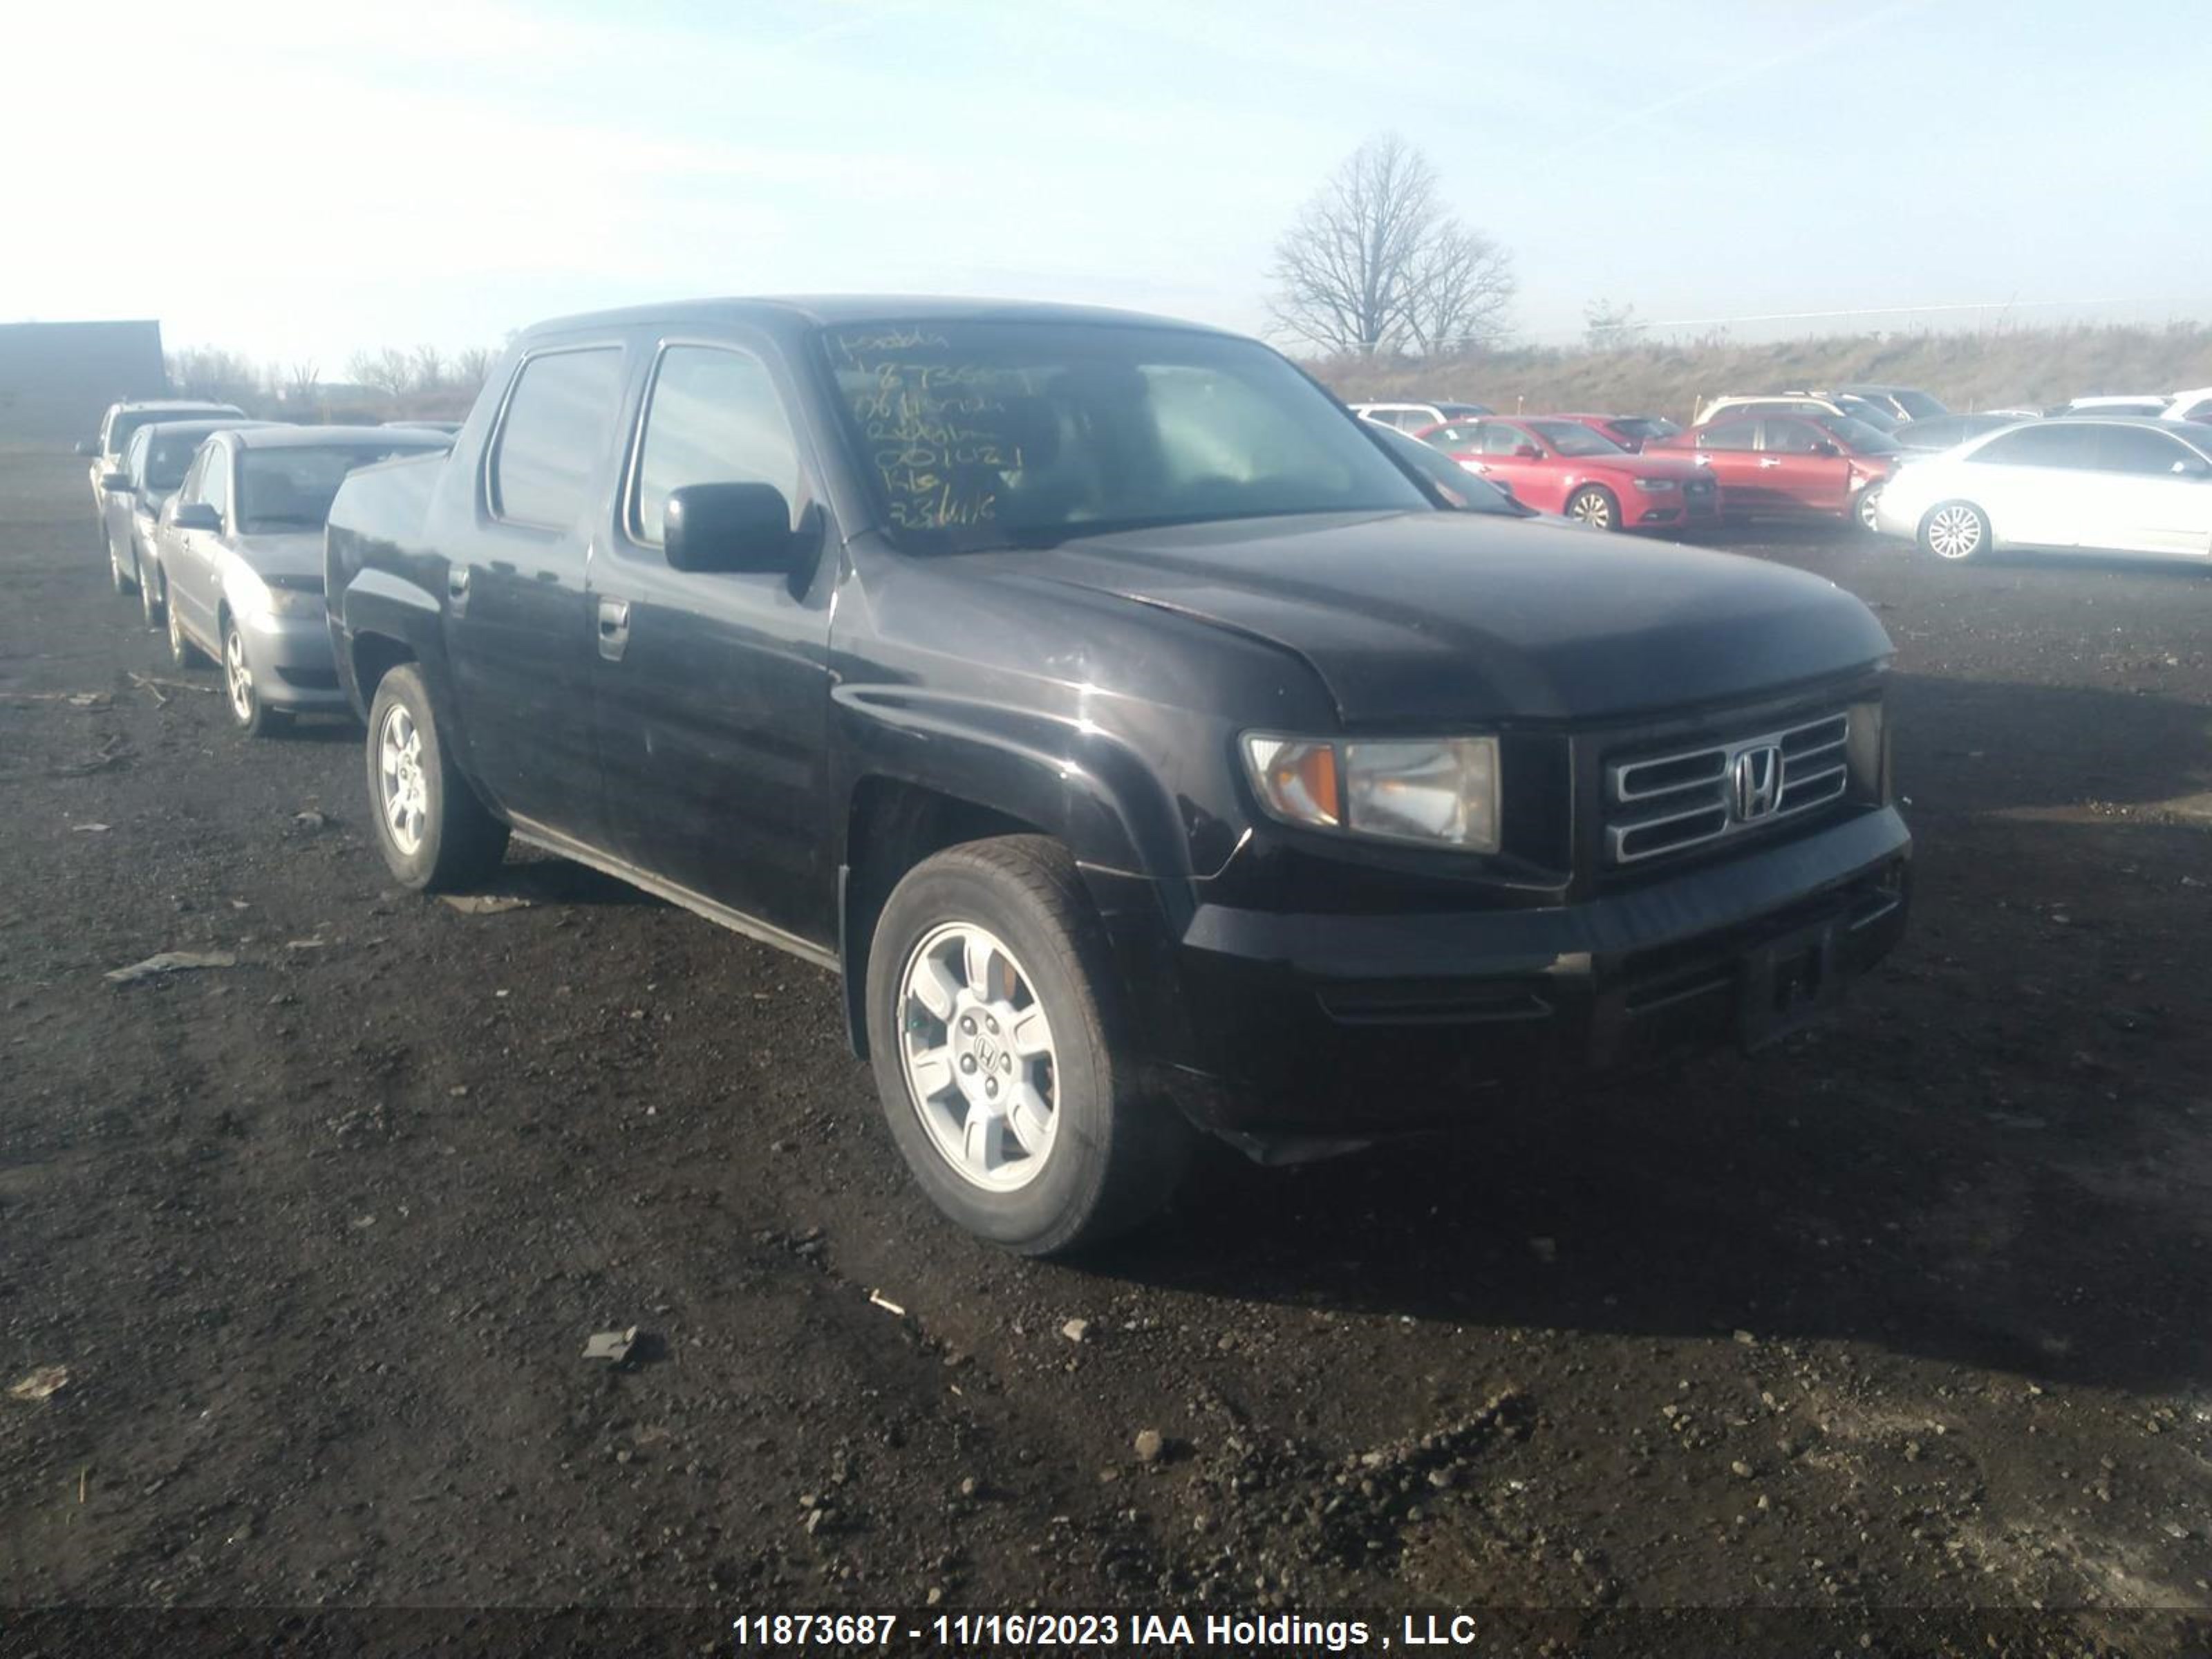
{"type": "Point", "coordinates": [238, 556]}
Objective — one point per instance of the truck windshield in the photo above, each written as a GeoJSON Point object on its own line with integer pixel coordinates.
{"type": "Point", "coordinates": [291, 488]}
{"type": "Point", "coordinates": [998, 434]}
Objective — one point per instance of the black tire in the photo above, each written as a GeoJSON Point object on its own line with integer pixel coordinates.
{"type": "Point", "coordinates": [459, 842]}
{"type": "Point", "coordinates": [1859, 515]}
{"type": "Point", "coordinates": [123, 581]}
{"type": "Point", "coordinates": [1596, 506]}
{"type": "Point", "coordinates": [1115, 1156]}
{"type": "Point", "coordinates": [1954, 532]}
{"type": "Point", "coordinates": [249, 711]}
{"type": "Point", "coordinates": [150, 606]}
{"type": "Point", "coordinates": [183, 654]}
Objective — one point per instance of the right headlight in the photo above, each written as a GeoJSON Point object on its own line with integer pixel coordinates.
{"type": "Point", "coordinates": [1439, 792]}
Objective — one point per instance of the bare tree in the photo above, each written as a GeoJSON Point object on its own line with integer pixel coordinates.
{"type": "Point", "coordinates": [429, 369]}
{"type": "Point", "coordinates": [210, 373]}
{"type": "Point", "coordinates": [1375, 264]}
{"type": "Point", "coordinates": [1606, 324]}
{"type": "Point", "coordinates": [390, 370]}
{"type": "Point", "coordinates": [300, 381]}
{"type": "Point", "coordinates": [472, 368]}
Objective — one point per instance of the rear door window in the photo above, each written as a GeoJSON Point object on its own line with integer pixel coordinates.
{"type": "Point", "coordinates": [554, 434]}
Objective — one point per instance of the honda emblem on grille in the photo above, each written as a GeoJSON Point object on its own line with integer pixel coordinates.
{"type": "Point", "coordinates": [1754, 782]}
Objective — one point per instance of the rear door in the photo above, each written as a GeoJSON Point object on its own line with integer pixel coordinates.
{"type": "Point", "coordinates": [714, 686]}
{"type": "Point", "coordinates": [1730, 451]}
{"type": "Point", "coordinates": [2151, 493]}
{"type": "Point", "coordinates": [1794, 475]}
{"type": "Point", "coordinates": [519, 628]}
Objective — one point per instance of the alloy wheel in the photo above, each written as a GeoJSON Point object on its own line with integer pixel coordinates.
{"type": "Point", "coordinates": [1954, 532]}
{"type": "Point", "coordinates": [1592, 509]}
{"type": "Point", "coordinates": [238, 675]}
{"type": "Point", "coordinates": [403, 790]}
{"type": "Point", "coordinates": [977, 1051]}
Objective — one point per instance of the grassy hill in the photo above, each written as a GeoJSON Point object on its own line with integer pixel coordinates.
{"type": "Point", "coordinates": [2026, 366]}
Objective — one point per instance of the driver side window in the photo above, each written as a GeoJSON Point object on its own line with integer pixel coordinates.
{"type": "Point", "coordinates": [214, 469]}
{"type": "Point", "coordinates": [1793, 437]}
{"type": "Point", "coordinates": [1501, 440]}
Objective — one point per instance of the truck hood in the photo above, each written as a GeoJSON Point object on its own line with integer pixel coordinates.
{"type": "Point", "coordinates": [286, 553]}
{"type": "Point", "coordinates": [1442, 616]}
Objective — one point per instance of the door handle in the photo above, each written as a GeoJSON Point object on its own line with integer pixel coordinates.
{"type": "Point", "coordinates": [614, 628]}
{"type": "Point", "coordinates": [1770, 461]}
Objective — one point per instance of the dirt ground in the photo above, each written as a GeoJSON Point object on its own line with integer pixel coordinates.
{"type": "Point", "coordinates": [1912, 1316]}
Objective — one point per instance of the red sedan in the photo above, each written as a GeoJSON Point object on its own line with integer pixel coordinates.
{"type": "Point", "coordinates": [1791, 465]}
{"type": "Point", "coordinates": [1559, 465]}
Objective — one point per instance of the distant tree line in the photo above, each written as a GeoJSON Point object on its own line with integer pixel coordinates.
{"type": "Point", "coordinates": [423, 376]}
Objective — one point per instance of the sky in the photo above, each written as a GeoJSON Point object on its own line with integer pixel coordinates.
{"type": "Point", "coordinates": [295, 179]}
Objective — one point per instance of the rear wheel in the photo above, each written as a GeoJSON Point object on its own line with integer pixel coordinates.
{"type": "Point", "coordinates": [1594, 506]}
{"type": "Point", "coordinates": [1954, 530]}
{"type": "Point", "coordinates": [1000, 1053]}
{"type": "Point", "coordinates": [433, 831]}
{"type": "Point", "coordinates": [1863, 505]}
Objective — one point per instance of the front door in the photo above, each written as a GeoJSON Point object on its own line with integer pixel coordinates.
{"type": "Point", "coordinates": [1802, 469]}
{"type": "Point", "coordinates": [189, 558]}
{"type": "Point", "coordinates": [714, 687]}
{"type": "Point", "coordinates": [1533, 481]}
{"type": "Point", "coordinates": [2151, 493]}
{"type": "Point", "coordinates": [518, 617]}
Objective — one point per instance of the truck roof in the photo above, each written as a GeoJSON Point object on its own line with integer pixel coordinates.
{"type": "Point", "coordinates": [818, 310]}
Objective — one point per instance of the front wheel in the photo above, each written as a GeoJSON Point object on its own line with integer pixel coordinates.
{"type": "Point", "coordinates": [1956, 531]}
{"type": "Point", "coordinates": [1595, 507]}
{"type": "Point", "coordinates": [433, 831]}
{"type": "Point", "coordinates": [248, 712]}
{"type": "Point", "coordinates": [183, 654]}
{"type": "Point", "coordinates": [1001, 1055]}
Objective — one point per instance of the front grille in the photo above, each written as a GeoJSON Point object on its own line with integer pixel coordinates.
{"type": "Point", "coordinates": [1668, 803]}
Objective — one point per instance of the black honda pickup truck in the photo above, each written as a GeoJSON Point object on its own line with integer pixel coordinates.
{"type": "Point", "coordinates": [1148, 749]}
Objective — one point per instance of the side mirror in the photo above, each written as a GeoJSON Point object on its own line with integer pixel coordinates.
{"type": "Point", "coordinates": [196, 515]}
{"type": "Point", "coordinates": [1824, 447]}
{"type": "Point", "coordinates": [89, 448]}
{"type": "Point", "coordinates": [728, 527]}
{"type": "Point", "coordinates": [1527, 452]}
{"type": "Point", "coordinates": [2198, 469]}
{"type": "Point", "coordinates": [115, 481]}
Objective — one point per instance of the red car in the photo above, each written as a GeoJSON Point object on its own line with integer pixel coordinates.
{"type": "Point", "coordinates": [1556, 464]}
{"type": "Point", "coordinates": [1791, 465]}
{"type": "Point", "coordinates": [1632, 432]}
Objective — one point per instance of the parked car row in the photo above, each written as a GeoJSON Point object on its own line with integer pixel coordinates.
{"type": "Point", "coordinates": [1834, 452]}
{"type": "Point", "coordinates": [217, 522]}
{"type": "Point", "coordinates": [1151, 748]}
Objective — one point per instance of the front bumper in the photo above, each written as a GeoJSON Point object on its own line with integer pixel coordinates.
{"type": "Point", "coordinates": [294, 666]}
{"type": "Point", "coordinates": [1349, 1025]}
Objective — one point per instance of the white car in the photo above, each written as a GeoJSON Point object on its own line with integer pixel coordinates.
{"type": "Point", "coordinates": [2088, 484]}
{"type": "Point", "coordinates": [2121, 403]}
{"type": "Point", "coordinates": [2195, 405]}
{"type": "Point", "coordinates": [1416, 417]}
